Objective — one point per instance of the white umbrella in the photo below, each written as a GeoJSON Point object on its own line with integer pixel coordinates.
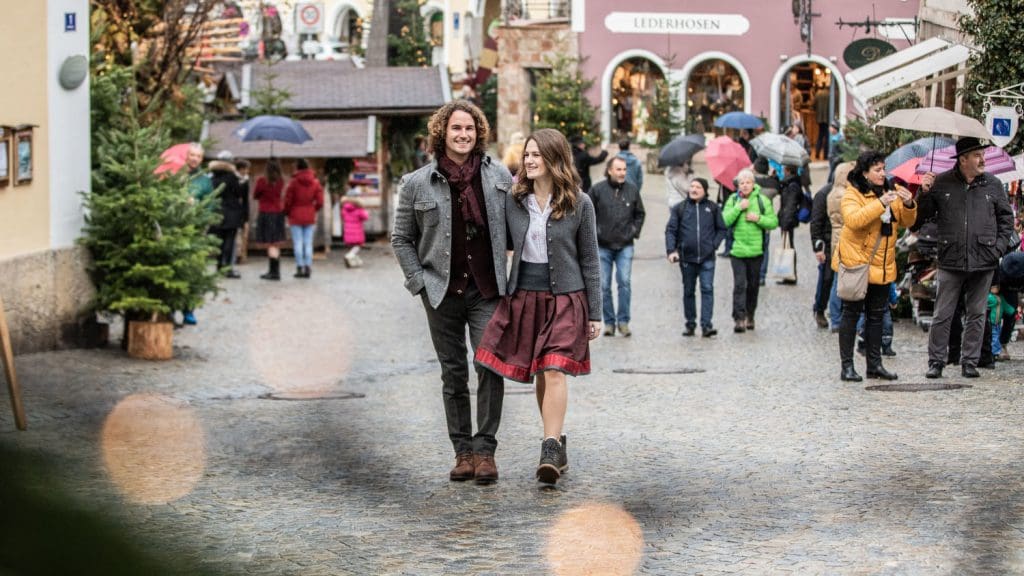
{"type": "Point", "coordinates": [935, 120]}
{"type": "Point", "coordinates": [781, 149]}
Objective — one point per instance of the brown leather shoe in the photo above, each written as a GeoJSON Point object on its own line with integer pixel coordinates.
{"type": "Point", "coordinates": [464, 467]}
{"type": "Point", "coordinates": [486, 469]}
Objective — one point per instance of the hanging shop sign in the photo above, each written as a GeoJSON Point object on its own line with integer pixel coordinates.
{"type": "Point", "coordinates": [866, 51]}
{"type": "Point", "coordinates": [677, 23]}
{"type": "Point", "coordinates": [1002, 122]}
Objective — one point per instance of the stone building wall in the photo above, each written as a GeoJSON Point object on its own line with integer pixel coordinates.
{"type": "Point", "coordinates": [47, 297]}
{"type": "Point", "coordinates": [521, 47]}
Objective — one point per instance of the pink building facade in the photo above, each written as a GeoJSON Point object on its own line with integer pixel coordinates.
{"type": "Point", "coordinates": [729, 55]}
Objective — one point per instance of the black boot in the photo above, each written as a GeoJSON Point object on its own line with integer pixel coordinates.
{"type": "Point", "coordinates": [308, 272]}
{"type": "Point", "coordinates": [274, 273]}
{"type": "Point", "coordinates": [300, 272]}
{"type": "Point", "coordinates": [848, 374]}
{"type": "Point", "coordinates": [879, 371]}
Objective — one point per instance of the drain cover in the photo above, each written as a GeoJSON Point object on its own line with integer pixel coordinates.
{"type": "Point", "coordinates": [300, 397]}
{"type": "Point", "coordinates": [658, 370]}
{"type": "Point", "coordinates": [916, 387]}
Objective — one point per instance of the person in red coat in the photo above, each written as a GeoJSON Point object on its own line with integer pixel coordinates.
{"type": "Point", "coordinates": [270, 222]}
{"type": "Point", "coordinates": [303, 198]}
{"type": "Point", "coordinates": [353, 214]}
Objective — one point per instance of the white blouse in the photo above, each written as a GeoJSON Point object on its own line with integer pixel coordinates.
{"type": "Point", "coordinates": [535, 249]}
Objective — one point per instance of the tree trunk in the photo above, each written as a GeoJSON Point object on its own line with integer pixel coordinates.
{"type": "Point", "coordinates": [151, 340]}
{"type": "Point", "coordinates": [377, 48]}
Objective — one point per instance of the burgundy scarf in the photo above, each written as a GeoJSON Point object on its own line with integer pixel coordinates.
{"type": "Point", "coordinates": [462, 179]}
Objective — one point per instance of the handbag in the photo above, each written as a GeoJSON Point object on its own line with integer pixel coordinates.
{"type": "Point", "coordinates": [784, 260]}
{"type": "Point", "coordinates": [852, 282]}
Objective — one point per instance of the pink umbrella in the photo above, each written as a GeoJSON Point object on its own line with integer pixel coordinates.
{"type": "Point", "coordinates": [906, 172]}
{"type": "Point", "coordinates": [173, 159]}
{"type": "Point", "coordinates": [997, 161]}
{"type": "Point", "coordinates": [725, 159]}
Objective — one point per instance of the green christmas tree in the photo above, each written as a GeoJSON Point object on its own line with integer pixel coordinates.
{"type": "Point", "coordinates": [147, 235]}
{"type": "Point", "coordinates": [665, 111]}
{"type": "Point", "coordinates": [408, 44]}
{"type": "Point", "coordinates": [561, 102]}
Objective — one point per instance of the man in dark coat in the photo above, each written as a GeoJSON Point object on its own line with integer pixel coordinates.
{"type": "Point", "coordinates": [975, 223]}
{"type": "Point", "coordinates": [821, 241]}
{"type": "Point", "coordinates": [620, 216]}
{"type": "Point", "coordinates": [583, 160]}
{"type": "Point", "coordinates": [234, 207]}
{"type": "Point", "coordinates": [695, 229]}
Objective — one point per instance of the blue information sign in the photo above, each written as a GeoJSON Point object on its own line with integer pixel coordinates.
{"type": "Point", "coordinates": [69, 22]}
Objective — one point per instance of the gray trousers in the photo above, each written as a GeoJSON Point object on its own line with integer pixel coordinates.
{"type": "Point", "coordinates": [974, 286]}
{"type": "Point", "coordinates": [448, 332]}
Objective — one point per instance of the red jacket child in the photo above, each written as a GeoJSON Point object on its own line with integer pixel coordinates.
{"type": "Point", "coordinates": [303, 198]}
{"type": "Point", "coordinates": [353, 215]}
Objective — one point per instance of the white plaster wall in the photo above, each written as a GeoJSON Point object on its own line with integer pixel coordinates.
{"type": "Point", "coordinates": [68, 123]}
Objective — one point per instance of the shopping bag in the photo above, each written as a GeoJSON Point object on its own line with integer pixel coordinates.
{"type": "Point", "coordinates": [783, 262]}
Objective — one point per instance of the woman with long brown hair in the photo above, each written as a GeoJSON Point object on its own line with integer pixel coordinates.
{"type": "Point", "coordinates": [541, 330]}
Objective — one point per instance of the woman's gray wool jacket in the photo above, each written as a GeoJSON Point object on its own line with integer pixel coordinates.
{"type": "Point", "coordinates": [573, 259]}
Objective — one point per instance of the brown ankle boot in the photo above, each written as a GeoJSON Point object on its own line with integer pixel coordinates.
{"type": "Point", "coordinates": [464, 467]}
{"type": "Point", "coordinates": [486, 469]}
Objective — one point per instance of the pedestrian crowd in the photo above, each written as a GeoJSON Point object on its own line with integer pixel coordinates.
{"type": "Point", "coordinates": [525, 261]}
{"type": "Point", "coordinates": [286, 207]}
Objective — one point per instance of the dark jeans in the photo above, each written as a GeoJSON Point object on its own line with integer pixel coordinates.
{"type": "Point", "coordinates": [448, 332]}
{"type": "Point", "coordinates": [950, 285]}
{"type": "Point", "coordinates": [691, 272]}
{"type": "Point", "coordinates": [821, 148]}
{"type": "Point", "coordinates": [227, 246]}
{"type": "Point", "coordinates": [873, 305]}
{"type": "Point", "coordinates": [746, 276]}
{"type": "Point", "coordinates": [821, 295]}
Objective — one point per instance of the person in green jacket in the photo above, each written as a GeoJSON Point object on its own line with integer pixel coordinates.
{"type": "Point", "coordinates": [750, 216]}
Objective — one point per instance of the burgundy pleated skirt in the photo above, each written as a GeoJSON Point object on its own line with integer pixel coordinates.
{"type": "Point", "coordinates": [533, 331]}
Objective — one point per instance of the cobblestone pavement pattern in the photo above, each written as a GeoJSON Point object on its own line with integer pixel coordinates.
{"type": "Point", "coordinates": [755, 459]}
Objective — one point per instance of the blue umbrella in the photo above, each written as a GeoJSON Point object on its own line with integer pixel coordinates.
{"type": "Point", "coordinates": [272, 128]}
{"type": "Point", "coordinates": [917, 149]}
{"type": "Point", "coordinates": [739, 120]}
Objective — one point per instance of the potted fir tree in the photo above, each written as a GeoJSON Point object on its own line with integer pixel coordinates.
{"type": "Point", "coordinates": [147, 235]}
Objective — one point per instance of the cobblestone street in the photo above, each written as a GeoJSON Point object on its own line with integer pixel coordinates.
{"type": "Point", "coordinates": [300, 430]}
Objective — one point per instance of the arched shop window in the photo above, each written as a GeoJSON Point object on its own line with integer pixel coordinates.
{"type": "Point", "coordinates": [435, 32]}
{"type": "Point", "coordinates": [348, 29]}
{"type": "Point", "coordinates": [713, 88]}
{"type": "Point", "coordinates": [806, 88]}
{"type": "Point", "coordinates": [633, 86]}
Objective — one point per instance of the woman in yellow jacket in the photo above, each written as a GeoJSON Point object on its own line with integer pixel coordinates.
{"type": "Point", "coordinates": [873, 209]}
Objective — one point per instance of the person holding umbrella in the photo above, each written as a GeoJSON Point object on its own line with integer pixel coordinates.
{"type": "Point", "coordinates": [270, 222]}
{"type": "Point", "coordinates": [975, 224]}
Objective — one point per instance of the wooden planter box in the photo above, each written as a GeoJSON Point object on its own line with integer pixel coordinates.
{"type": "Point", "coordinates": [151, 340]}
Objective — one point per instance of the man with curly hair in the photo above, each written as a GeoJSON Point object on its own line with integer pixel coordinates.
{"type": "Point", "coordinates": [449, 238]}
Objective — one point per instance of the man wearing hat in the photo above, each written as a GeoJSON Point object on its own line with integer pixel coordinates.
{"type": "Point", "coordinates": [695, 229]}
{"type": "Point", "coordinates": [974, 222]}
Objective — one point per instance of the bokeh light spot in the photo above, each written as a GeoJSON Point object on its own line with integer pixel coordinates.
{"type": "Point", "coordinates": [301, 345]}
{"type": "Point", "coordinates": [153, 448]}
{"type": "Point", "coordinates": [593, 539]}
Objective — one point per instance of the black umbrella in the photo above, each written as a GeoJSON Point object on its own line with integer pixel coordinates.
{"type": "Point", "coordinates": [680, 150]}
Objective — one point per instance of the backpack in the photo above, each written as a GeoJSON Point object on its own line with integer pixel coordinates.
{"type": "Point", "coordinates": [803, 213]}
